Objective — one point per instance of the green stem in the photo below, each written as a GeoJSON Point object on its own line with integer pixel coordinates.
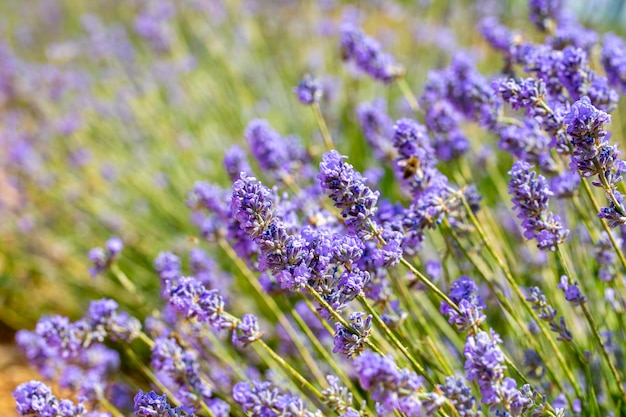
{"type": "Point", "coordinates": [271, 305]}
{"type": "Point", "coordinates": [319, 118]}
{"type": "Point", "coordinates": [507, 307]}
{"type": "Point", "coordinates": [594, 327]}
{"type": "Point", "coordinates": [511, 280]}
{"type": "Point", "coordinates": [110, 407]}
{"type": "Point", "coordinates": [290, 369]}
{"type": "Point", "coordinates": [416, 365]}
{"type": "Point", "coordinates": [408, 94]}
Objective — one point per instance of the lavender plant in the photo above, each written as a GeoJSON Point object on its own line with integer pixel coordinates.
{"type": "Point", "coordinates": [445, 237]}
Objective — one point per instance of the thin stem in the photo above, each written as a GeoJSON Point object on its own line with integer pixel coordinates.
{"type": "Point", "coordinates": [271, 305]}
{"type": "Point", "coordinates": [594, 327]}
{"type": "Point", "coordinates": [408, 94]}
{"type": "Point", "coordinates": [123, 279]}
{"type": "Point", "coordinates": [507, 307]}
{"type": "Point", "coordinates": [414, 270]}
{"type": "Point", "coordinates": [605, 226]}
{"type": "Point", "coordinates": [507, 273]}
{"type": "Point", "coordinates": [416, 365]}
{"type": "Point", "coordinates": [319, 118]}
{"type": "Point", "coordinates": [290, 369]}
{"type": "Point", "coordinates": [110, 407]}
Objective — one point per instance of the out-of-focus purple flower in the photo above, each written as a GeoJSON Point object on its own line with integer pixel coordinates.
{"type": "Point", "coordinates": [390, 387]}
{"type": "Point", "coordinates": [102, 259]}
{"type": "Point", "coordinates": [154, 24]}
{"type": "Point", "coordinates": [613, 58]}
{"type": "Point", "coordinates": [367, 54]}
{"type": "Point", "coordinates": [236, 162]}
{"type": "Point", "coordinates": [262, 399]}
{"type": "Point", "coordinates": [544, 13]}
{"type": "Point", "coordinates": [499, 36]}
{"type": "Point", "coordinates": [377, 128]}
{"type": "Point", "coordinates": [309, 90]}
{"type": "Point", "coordinates": [267, 146]}
{"type": "Point", "coordinates": [530, 198]}
{"type": "Point", "coordinates": [167, 265]}
{"type": "Point", "coordinates": [565, 184]}
{"type": "Point", "coordinates": [528, 143]}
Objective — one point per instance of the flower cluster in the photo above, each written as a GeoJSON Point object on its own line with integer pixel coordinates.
{"type": "Point", "coordinates": [36, 399]}
{"type": "Point", "coordinates": [530, 198]}
{"type": "Point", "coordinates": [367, 54]}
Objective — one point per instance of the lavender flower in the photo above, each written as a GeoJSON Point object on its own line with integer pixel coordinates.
{"type": "Point", "coordinates": [392, 388]}
{"type": "Point", "coordinates": [572, 292]}
{"type": "Point", "coordinates": [377, 128]}
{"type": "Point", "coordinates": [267, 146]}
{"type": "Point", "coordinates": [236, 162]}
{"type": "Point", "coordinates": [614, 60]}
{"type": "Point", "coordinates": [337, 397]}
{"type": "Point", "coordinates": [261, 399]}
{"type": "Point", "coordinates": [460, 395]}
{"type": "Point", "coordinates": [367, 54]}
{"type": "Point", "coordinates": [484, 363]}
{"type": "Point", "coordinates": [102, 259]}
{"type": "Point", "coordinates": [547, 313]}
{"type": "Point", "coordinates": [193, 300]}
{"type": "Point", "coordinates": [347, 189]}
{"type": "Point", "coordinates": [351, 342]}
{"type": "Point", "coordinates": [309, 90]}
{"type": "Point", "coordinates": [34, 398]}
{"type": "Point", "coordinates": [167, 266]}
{"type": "Point", "coordinates": [247, 331]}
{"type": "Point", "coordinates": [153, 405]}
{"type": "Point", "coordinates": [464, 293]}
{"type": "Point", "coordinates": [585, 125]}
{"type": "Point", "coordinates": [181, 367]}
{"type": "Point", "coordinates": [252, 205]}
{"type": "Point", "coordinates": [544, 13]}
{"type": "Point", "coordinates": [530, 198]}
{"type": "Point", "coordinates": [104, 320]}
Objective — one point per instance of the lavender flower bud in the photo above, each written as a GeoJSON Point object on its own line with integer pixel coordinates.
{"type": "Point", "coordinates": [247, 331]}
{"type": "Point", "coordinates": [530, 198]}
{"type": "Point", "coordinates": [252, 205]}
{"type": "Point", "coordinates": [613, 58]}
{"type": "Point", "coordinates": [367, 54]}
{"type": "Point", "coordinates": [351, 342]}
{"type": "Point", "coordinates": [235, 162]}
{"type": "Point", "coordinates": [153, 405]}
{"type": "Point", "coordinates": [391, 387]}
{"type": "Point", "coordinates": [309, 90]}
{"type": "Point", "coordinates": [346, 187]}
{"type": "Point", "coordinates": [464, 293]}
{"type": "Point", "coordinates": [572, 292]}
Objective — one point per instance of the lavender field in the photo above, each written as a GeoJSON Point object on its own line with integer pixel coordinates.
{"type": "Point", "coordinates": [302, 209]}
